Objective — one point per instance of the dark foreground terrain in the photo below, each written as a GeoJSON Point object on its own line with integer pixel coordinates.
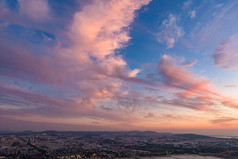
{"type": "Point", "coordinates": [55, 144]}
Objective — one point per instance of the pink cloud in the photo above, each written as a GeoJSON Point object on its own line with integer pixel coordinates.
{"type": "Point", "coordinates": [191, 90]}
{"type": "Point", "coordinates": [102, 26]}
{"type": "Point", "coordinates": [25, 105]}
{"type": "Point", "coordinates": [226, 55]}
{"type": "Point", "coordinates": [96, 31]}
{"type": "Point", "coordinates": [22, 63]}
{"type": "Point", "coordinates": [230, 102]}
{"type": "Point", "coordinates": [35, 9]}
{"type": "Point", "coordinates": [150, 115]}
{"type": "Point", "coordinates": [88, 80]}
{"type": "Point", "coordinates": [178, 76]}
{"type": "Point", "coordinates": [223, 120]}
{"type": "Point", "coordinates": [7, 124]}
{"type": "Point", "coordinates": [85, 73]}
{"type": "Point", "coordinates": [89, 67]}
{"type": "Point", "coordinates": [231, 86]}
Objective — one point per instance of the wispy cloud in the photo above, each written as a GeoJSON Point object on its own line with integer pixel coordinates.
{"type": "Point", "coordinates": [149, 115]}
{"type": "Point", "coordinates": [217, 23]}
{"type": "Point", "coordinates": [34, 9]}
{"type": "Point", "coordinates": [226, 55]}
{"type": "Point", "coordinates": [190, 63]}
{"type": "Point", "coordinates": [191, 90]}
{"type": "Point", "coordinates": [187, 4]}
{"type": "Point", "coordinates": [169, 32]}
{"type": "Point", "coordinates": [192, 14]}
{"type": "Point", "coordinates": [223, 120]}
{"type": "Point", "coordinates": [231, 86]}
{"type": "Point", "coordinates": [21, 63]}
{"type": "Point", "coordinates": [177, 75]}
{"type": "Point", "coordinates": [219, 5]}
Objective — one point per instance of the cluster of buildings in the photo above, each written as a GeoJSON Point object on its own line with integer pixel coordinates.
{"type": "Point", "coordinates": [74, 145]}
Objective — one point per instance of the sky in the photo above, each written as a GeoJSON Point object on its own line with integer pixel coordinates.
{"type": "Point", "coordinates": [109, 65]}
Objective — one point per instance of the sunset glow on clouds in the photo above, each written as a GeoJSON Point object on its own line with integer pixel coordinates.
{"type": "Point", "coordinates": [119, 65]}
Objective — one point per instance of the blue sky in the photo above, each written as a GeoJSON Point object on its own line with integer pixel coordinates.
{"type": "Point", "coordinates": [163, 65]}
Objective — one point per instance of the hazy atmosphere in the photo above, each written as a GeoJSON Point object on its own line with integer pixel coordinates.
{"type": "Point", "coordinates": [115, 65]}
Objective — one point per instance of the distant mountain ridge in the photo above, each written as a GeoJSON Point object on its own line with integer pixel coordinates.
{"type": "Point", "coordinates": [194, 136]}
{"type": "Point", "coordinates": [98, 133]}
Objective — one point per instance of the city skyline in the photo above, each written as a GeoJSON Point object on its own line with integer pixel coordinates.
{"type": "Point", "coordinates": [166, 66]}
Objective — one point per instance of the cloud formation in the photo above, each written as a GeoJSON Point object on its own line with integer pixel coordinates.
{"type": "Point", "coordinates": [175, 75]}
{"type": "Point", "coordinates": [224, 120]}
{"type": "Point", "coordinates": [190, 63]}
{"type": "Point", "coordinates": [231, 86]}
{"type": "Point", "coordinates": [34, 9]}
{"type": "Point", "coordinates": [71, 68]}
{"type": "Point", "coordinates": [102, 27]}
{"type": "Point", "coordinates": [192, 14]}
{"type": "Point", "coordinates": [226, 54]}
{"type": "Point", "coordinates": [187, 4]}
{"type": "Point", "coordinates": [79, 76]}
{"type": "Point", "coordinates": [169, 32]}
{"type": "Point", "coordinates": [190, 90]}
